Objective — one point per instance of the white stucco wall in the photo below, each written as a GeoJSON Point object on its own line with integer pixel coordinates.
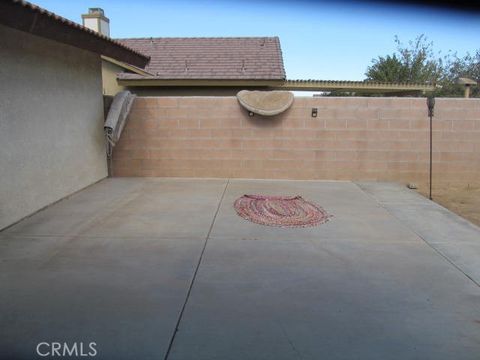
{"type": "Point", "coordinates": [51, 123]}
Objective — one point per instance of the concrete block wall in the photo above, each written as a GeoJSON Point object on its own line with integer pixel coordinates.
{"type": "Point", "coordinates": [350, 139]}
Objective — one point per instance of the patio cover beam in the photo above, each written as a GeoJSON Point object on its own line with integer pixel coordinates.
{"type": "Point", "coordinates": [357, 86]}
{"type": "Point", "coordinates": [290, 85]}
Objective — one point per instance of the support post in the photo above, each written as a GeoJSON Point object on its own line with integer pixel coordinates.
{"type": "Point", "coordinates": [467, 91]}
{"type": "Point", "coordinates": [431, 107]}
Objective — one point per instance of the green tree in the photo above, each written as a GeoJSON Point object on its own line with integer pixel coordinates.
{"type": "Point", "coordinates": [415, 62]}
{"type": "Point", "coordinates": [467, 67]}
{"type": "Point", "coordinates": [387, 69]}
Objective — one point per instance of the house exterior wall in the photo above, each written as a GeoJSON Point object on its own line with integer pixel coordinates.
{"type": "Point", "coordinates": [351, 139]}
{"type": "Point", "coordinates": [109, 78]}
{"type": "Point", "coordinates": [51, 123]}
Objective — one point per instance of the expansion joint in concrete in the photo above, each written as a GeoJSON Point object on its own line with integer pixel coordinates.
{"type": "Point", "coordinates": [197, 267]}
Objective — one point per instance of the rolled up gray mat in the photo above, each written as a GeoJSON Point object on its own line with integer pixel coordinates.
{"type": "Point", "coordinates": [117, 115]}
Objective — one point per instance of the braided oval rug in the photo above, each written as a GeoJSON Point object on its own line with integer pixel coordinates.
{"type": "Point", "coordinates": [283, 211]}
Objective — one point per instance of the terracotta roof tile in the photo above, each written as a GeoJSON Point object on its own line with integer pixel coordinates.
{"type": "Point", "coordinates": [211, 58]}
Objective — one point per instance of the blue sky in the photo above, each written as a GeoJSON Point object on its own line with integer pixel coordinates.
{"type": "Point", "coordinates": [320, 40]}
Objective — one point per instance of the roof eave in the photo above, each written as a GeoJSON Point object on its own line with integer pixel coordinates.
{"type": "Point", "coordinates": [126, 66]}
{"type": "Point", "coordinates": [32, 19]}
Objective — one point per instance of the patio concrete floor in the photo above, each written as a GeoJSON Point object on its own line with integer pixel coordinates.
{"type": "Point", "coordinates": [123, 262]}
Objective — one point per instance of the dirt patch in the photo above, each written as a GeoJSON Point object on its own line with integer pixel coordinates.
{"type": "Point", "coordinates": [463, 200]}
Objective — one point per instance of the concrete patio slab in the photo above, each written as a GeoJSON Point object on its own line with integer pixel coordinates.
{"type": "Point", "coordinates": [451, 235]}
{"type": "Point", "coordinates": [124, 294]}
{"type": "Point", "coordinates": [77, 212]}
{"type": "Point", "coordinates": [186, 207]}
{"type": "Point", "coordinates": [165, 208]}
{"type": "Point", "coordinates": [361, 286]}
{"type": "Point", "coordinates": [270, 300]}
{"type": "Point", "coordinates": [125, 261]}
{"type": "Point", "coordinates": [100, 266]}
{"type": "Point", "coordinates": [355, 215]}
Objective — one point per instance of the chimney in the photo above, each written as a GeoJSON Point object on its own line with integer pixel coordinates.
{"type": "Point", "coordinates": [96, 21]}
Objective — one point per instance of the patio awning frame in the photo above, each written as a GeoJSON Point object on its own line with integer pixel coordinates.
{"type": "Point", "coordinates": [356, 86]}
{"type": "Point", "coordinates": [288, 85]}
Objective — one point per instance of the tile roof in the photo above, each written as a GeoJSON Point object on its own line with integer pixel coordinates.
{"type": "Point", "coordinates": [252, 58]}
{"type": "Point", "coordinates": [28, 17]}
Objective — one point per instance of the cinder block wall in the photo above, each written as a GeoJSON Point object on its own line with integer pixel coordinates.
{"type": "Point", "coordinates": [352, 138]}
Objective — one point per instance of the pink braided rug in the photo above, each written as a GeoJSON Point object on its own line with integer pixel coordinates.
{"type": "Point", "coordinates": [283, 211]}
